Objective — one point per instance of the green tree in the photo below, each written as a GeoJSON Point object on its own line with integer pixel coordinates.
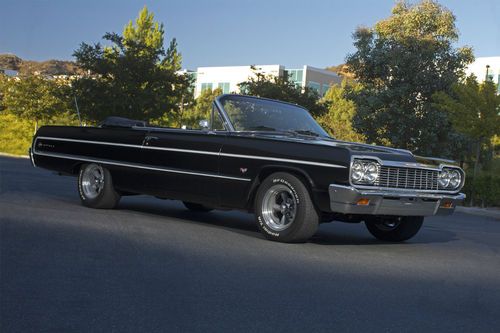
{"type": "Point", "coordinates": [200, 109]}
{"type": "Point", "coordinates": [134, 77]}
{"type": "Point", "coordinates": [402, 62]}
{"type": "Point", "coordinates": [35, 99]}
{"type": "Point", "coordinates": [338, 120]}
{"type": "Point", "coordinates": [474, 110]}
{"type": "Point", "coordinates": [3, 86]}
{"type": "Point", "coordinates": [281, 88]}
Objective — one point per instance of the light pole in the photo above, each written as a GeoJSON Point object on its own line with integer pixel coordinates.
{"type": "Point", "coordinates": [487, 68]}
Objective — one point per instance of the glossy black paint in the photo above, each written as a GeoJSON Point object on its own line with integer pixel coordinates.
{"type": "Point", "coordinates": [221, 169]}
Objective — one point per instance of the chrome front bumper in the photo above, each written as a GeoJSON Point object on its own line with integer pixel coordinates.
{"type": "Point", "coordinates": [348, 200]}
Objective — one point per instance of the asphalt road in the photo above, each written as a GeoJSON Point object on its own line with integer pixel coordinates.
{"type": "Point", "coordinates": [152, 266]}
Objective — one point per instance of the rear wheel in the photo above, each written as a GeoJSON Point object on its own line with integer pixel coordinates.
{"type": "Point", "coordinates": [95, 187]}
{"type": "Point", "coordinates": [195, 207]}
{"type": "Point", "coordinates": [284, 209]}
{"type": "Point", "coordinates": [394, 229]}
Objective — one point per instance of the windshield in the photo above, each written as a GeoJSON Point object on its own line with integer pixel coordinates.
{"type": "Point", "coordinates": [253, 114]}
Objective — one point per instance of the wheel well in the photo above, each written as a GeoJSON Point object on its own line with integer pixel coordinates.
{"type": "Point", "coordinates": [267, 171]}
{"type": "Point", "coordinates": [76, 168]}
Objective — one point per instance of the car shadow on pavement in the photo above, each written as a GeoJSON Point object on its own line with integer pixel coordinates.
{"type": "Point", "coordinates": [239, 222]}
{"type": "Point", "coordinates": [334, 233]}
{"type": "Point", "coordinates": [337, 234]}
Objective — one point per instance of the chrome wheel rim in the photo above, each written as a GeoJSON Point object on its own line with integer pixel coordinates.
{"type": "Point", "coordinates": [279, 207]}
{"type": "Point", "coordinates": [388, 225]}
{"type": "Point", "coordinates": [92, 181]}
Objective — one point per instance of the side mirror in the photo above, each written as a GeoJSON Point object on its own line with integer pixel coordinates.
{"type": "Point", "coordinates": [204, 124]}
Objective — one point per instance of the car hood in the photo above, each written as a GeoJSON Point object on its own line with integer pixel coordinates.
{"type": "Point", "coordinates": [361, 149]}
{"type": "Point", "coordinates": [384, 153]}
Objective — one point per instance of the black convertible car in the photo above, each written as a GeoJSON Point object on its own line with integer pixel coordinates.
{"type": "Point", "coordinates": [258, 155]}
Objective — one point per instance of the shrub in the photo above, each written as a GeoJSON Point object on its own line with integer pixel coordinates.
{"type": "Point", "coordinates": [484, 190]}
{"type": "Point", "coordinates": [15, 134]}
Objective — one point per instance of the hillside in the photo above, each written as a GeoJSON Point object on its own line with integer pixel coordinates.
{"type": "Point", "coordinates": [49, 67]}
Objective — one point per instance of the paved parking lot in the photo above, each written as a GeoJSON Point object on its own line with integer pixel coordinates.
{"type": "Point", "coordinates": [152, 266]}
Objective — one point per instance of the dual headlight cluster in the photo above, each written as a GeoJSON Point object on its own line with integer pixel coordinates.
{"type": "Point", "coordinates": [364, 172]}
{"type": "Point", "coordinates": [367, 172]}
{"type": "Point", "coordinates": [449, 179]}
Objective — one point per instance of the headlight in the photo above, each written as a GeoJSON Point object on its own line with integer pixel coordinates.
{"type": "Point", "coordinates": [364, 172]}
{"type": "Point", "coordinates": [449, 179]}
{"type": "Point", "coordinates": [358, 171]}
{"type": "Point", "coordinates": [455, 179]}
{"type": "Point", "coordinates": [371, 172]}
{"type": "Point", "coordinates": [444, 178]}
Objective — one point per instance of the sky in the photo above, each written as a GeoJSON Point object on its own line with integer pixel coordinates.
{"type": "Point", "coordinates": [227, 32]}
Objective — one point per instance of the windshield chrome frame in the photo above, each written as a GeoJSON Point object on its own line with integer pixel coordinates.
{"type": "Point", "coordinates": [227, 120]}
{"type": "Point", "coordinates": [223, 114]}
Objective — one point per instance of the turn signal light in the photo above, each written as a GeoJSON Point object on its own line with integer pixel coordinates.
{"type": "Point", "coordinates": [363, 202]}
{"type": "Point", "coordinates": [447, 205]}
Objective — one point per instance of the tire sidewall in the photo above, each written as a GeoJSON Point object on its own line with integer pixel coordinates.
{"type": "Point", "coordinates": [93, 202]}
{"type": "Point", "coordinates": [299, 193]}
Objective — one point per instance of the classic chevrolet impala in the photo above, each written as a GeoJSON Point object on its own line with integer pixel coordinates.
{"type": "Point", "coordinates": [259, 155]}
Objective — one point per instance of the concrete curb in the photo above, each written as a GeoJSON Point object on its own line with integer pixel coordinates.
{"type": "Point", "coordinates": [487, 212]}
{"type": "Point", "coordinates": [12, 155]}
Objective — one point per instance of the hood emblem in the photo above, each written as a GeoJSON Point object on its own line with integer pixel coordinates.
{"type": "Point", "coordinates": [243, 170]}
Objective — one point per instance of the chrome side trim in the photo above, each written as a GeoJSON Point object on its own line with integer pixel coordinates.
{"type": "Point", "coordinates": [284, 160]}
{"type": "Point", "coordinates": [129, 145]}
{"type": "Point", "coordinates": [182, 150]}
{"type": "Point", "coordinates": [196, 152]}
{"type": "Point", "coordinates": [32, 160]}
{"type": "Point", "coordinates": [88, 141]}
{"type": "Point", "coordinates": [134, 165]}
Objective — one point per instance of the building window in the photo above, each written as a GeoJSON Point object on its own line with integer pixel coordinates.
{"type": "Point", "coordinates": [224, 86]}
{"type": "Point", "coordinates": [295, 76]}
{"type": "Point", "coordinates": [314, 85]}
{"type": "Point", "coordinates": [325, 88]}
{"type": "Point", "coordinates": [206, 86]}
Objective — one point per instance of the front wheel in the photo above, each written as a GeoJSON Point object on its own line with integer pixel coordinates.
{"type": "Point", "coordinates": [284, 209]}
{"type": "Point", "coordinates": [394, 229]}
{"type": "Point", "coordinates": [95, 187]}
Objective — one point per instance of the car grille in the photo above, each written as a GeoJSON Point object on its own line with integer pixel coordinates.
{"type": "Point", "coordinates": [408, 178]}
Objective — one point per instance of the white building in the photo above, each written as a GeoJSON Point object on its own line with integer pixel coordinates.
{"type": "Point", "coordinates": [485, 68]}
{"type": "Point", "coordinates": [9, 72]}
{"type": "Point", "coordinates": [228, 77]}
